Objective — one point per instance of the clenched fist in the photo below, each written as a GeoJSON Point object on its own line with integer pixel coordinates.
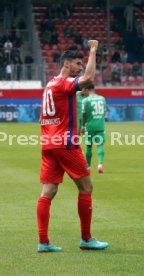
{"type": "Point", "coordinates": [93, 44]}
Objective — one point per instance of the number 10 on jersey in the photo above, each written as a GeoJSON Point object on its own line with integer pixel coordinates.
{"type": "Point", "coordinates": [48, 103]}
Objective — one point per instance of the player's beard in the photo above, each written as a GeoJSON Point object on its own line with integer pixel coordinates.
{"type": "Point", "coordinates": [74, 73]}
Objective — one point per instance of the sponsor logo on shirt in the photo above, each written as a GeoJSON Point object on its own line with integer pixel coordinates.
{"type": "Point", "coordinates": [55, 121]}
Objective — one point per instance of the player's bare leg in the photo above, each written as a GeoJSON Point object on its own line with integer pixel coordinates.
{"type": "Point", "coordinates": [49, 191]}
{"type": "Point", "coordinates": [85, 188]}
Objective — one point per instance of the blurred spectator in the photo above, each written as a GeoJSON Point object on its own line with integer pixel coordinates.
{"type": "Point", "coordinates": [8, 48]}
{"type": "Point", "coordinates": [29, 61]}
{"type": "Point", "coordinates": [116, 69]}
{"type": "Point", "coordinates": [106, 75]}
{"type": "Point", "coordinates": [51, 11]}
{"type": "Point", "coordinates": [8, 70]}
{"type": "Point", "coordinates": [57, 57]}
{"type": "Point", "coordinates": [46, 37]}
{"type": "Point", "coordinates": [59, 10]}
{"type": "Point", "coordinates": [15, 53]}
{"type": "Point", "coordinates": [98, 59]}
{"type": "Point", "coordinates": [129, 16]}
{"type": "Point", "coordinates": [51, 26]}
{"type": "Point", "coordinates": [17, 40]}
{"type": "Point", "coordinates": [85, 44]}
{"type": "Point", "coordinates": [105, 51]}
{"type": "Point", "coordinates": [17, 68]}
{"type": "Point", "coordinates": [119, 44]}
{"type": "Point", "coordinates": [116, 57]}
{"type": "Point", "coordinates": [136, 69]}
{"type": "Point", "coordinates": [54, 38]}
{"type": "Point", "coordinates": [116, 78]}
{"type": "Point", "coordinates": [140, 28]}
{"type": "Point", "coordinates": [127, 70]}
{"type": "Point", "coordinates": [104, 62]}
{"type": "Point", "coordinates": [115, 25]}
{"type": "Point", "coordinates": [78, 38]}
{"type": "Point", "coordinates": [7, 17]}
{"type": "Point", "coordinates": [65, 13]}
{"type": "Point", "coordinates": [68, 32]}
{"type": "Point", "coordinates": [44, 25]}
{"type": "Point", "coordinates": [123, 56]}
{"type": "Point", "coordinates": [48, 25]}
{"type": "Point", "coordinates": [70, 6]}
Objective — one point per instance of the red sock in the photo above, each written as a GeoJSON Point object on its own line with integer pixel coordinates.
{"type": "Point", "coordinates": [43, 216]}
{"type": "Point", "coordinates": [85, 214]}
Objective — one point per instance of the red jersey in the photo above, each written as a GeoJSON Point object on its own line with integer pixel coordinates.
{"type": "Point", "coordinates": [59, 114]}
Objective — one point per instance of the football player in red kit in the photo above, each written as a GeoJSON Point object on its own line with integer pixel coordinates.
{"type": "Point", "coordinates": [61, 151]}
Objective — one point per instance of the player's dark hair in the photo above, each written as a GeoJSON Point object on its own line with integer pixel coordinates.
{"type": "Point", "coordinates": [70, 55]}
{"type": "Point", "coordinates": [90, 87]}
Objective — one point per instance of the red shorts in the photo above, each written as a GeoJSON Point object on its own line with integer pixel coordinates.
{"type": "Point", "coordinates": [55, 162]}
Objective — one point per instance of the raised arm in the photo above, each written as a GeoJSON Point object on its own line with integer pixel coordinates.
{"type": "Point", "coordinates": [89, 74]}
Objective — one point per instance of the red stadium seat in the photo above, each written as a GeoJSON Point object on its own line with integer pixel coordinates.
{"type": "Point", "coordinates": [98, 77]}
{"type": "Point", "coordinates": [46, 47]}
{"type": "Point", "coordinates": [79, 47]}
{"type": "Point", "coordinates": [132, 80]}
{"type": "Point", "coordinates": [139, 80]}
{"type": "Point", "coordinates": [87, 18]}
{"type": "Point", "coordinates": [55, 47]}
{"type": "Point", "coordinates": [49, 59]}
{"type": "Point", "coordinates": [48, 53]}
{"type": "Point", "coordinates": [63, 47]}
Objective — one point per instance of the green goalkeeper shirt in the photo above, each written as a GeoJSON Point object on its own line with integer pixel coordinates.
{"type": "Point", "coordinates": [94, 108]}
{"type": "Point", "coordinates": [79, 104]}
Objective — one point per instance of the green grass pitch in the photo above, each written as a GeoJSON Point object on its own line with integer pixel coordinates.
{"type": "Point", "coordinates": [118, 211]}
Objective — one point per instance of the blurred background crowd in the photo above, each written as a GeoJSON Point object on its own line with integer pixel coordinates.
{"type": "Point", "coordinates": [34, 33]}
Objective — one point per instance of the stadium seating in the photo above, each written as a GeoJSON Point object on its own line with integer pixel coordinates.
{"type": "Point", "coordinates": [85, 21]}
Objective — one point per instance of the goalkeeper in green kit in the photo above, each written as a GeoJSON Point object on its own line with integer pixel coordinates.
{"type": "Point", "coordinates": [80, 95]}
{"type": "Point", "coordinates": [93, 125]}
